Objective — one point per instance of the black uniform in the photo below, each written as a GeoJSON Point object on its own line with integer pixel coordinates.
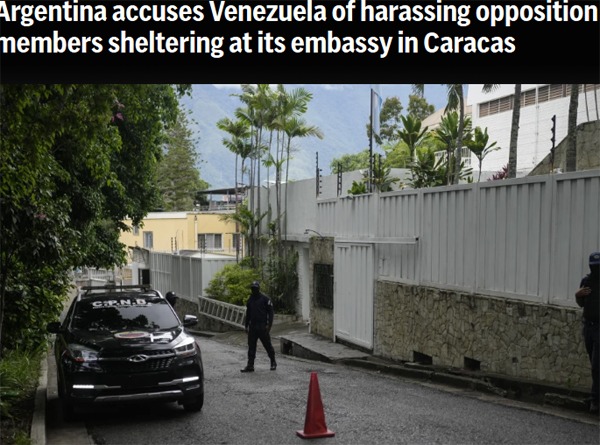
{"type": "Point", "coordinates": [259, 319]}
{"type": "Point", "coordinates": [591, 325]}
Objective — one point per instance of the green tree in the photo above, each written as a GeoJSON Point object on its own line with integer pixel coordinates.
{"type": "Point", "coordinates": [287, 122]}
{"type": "Point", "coordinates": [479, 145]}
{"type": "Point", "coordinates": [178, 177]}
{"type": "Point", "coordinates": [383, 181]}
{"type": "Point", "coordinates": [241, 145]}
{"type": "Point", "coordinates": [426, 171]}
{"type": "Point", "coordinates": [456, 101]}
{"type": "Point", "coordinates": [389, 121]}
{"type": "Point", "coordinates": [412, 134]}
{"type": "Point", "coordinates": [418, 107]}
{"type": "Point", "coordinates": [397, 155]}
{"type": "Point", "coordinates": [75, 161]}
{"type": "Point", "coordinates": [257, 114]}
{"type": "Point", "coordinates": [358, 188]}
{"type": "Point", "coordinates": [350, 162]}
{"type": "Point", "coordinates": [232, 284]}
{"type": "Point", "coordinates": [447, 134]}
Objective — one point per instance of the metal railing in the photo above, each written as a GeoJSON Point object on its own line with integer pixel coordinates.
{"type": "Point", "coordinates": [225, 312]}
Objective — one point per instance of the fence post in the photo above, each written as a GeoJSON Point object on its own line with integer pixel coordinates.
{"type": "Point", "coordinates": [546, 291]}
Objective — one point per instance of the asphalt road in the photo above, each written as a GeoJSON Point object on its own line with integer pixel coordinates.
{"type": "Point", "coordinates": [360, 407]}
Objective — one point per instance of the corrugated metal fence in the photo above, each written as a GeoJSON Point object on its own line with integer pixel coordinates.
{"type": "Point", "coordinates": [525, 238]}
{"type": "Point", "coordinates": [186, 276]}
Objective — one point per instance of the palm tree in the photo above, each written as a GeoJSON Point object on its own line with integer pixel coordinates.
{"type": "Point", "coordinates": [288, 124]}
{"type": "Point", "coordinates": [571, 156]}
{"type": "Point", "coordinates": [448, 134]}
{"type": "Point", "coordinates": [295, 128]}
{"type": "Point", "coordinates": [478, 145]}
{"type": "Point", "coordinates": [258, 100]}
{"type": "Point", "coordinates": [240, 145]}
{"type": "Point", "coordinates": [514, 126]}
{"type": "Point", "coordinates": [412, 134]}
{"type": "Point", "coordinates": [456, 100]}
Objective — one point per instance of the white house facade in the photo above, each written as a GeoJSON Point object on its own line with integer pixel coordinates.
{"type": "Point", "coordinates": [539, 103]}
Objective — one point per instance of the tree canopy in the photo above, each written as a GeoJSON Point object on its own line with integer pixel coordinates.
{"type": "Point", "coordinates": [75, 161]}
{"type": "Point", "coordinates": [178, 177]}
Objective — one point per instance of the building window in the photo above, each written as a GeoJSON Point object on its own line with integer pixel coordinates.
{"type": "Point", "coordinates": [323, 276]}
{"type": "Point", "coordinates": [528, 98]}
{"type": "Point", "coordinates": [148, 240]}
{"type": "Point", "coordinates": [210, 241]}
{"type": "Point", "coordinates": [544, 94]}
{"type": "Point", "coordinates": [136, 230]}
{"type": "Point", "coordinates": [236, 241]}
{"type": "Point", "coordinates": [592, 86]}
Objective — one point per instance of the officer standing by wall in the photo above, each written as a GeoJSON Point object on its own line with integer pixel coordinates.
{"type": "Point", "coordinates": [588, 297]}
{"type": "Point", "coordinates": [259, 319]}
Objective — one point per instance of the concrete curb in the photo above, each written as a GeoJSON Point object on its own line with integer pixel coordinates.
{"type": "Point", "coordinates": [38, 422]}
{"type": "Point", "coordinates": [573, 400]}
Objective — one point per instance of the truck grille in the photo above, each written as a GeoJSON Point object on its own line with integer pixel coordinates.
{"type": "Point", "coordinates": [142, 361]}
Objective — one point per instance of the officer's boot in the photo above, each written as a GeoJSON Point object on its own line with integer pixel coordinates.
{"type": "Point", "coordinates": [249, 367]}
{"type": "Point", "coordinates": [273, 364]}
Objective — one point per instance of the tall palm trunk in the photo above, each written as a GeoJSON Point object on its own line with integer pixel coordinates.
{"type": "Point", "coordinates": [459, 139]}
{"type": "Point", "coordinates": [237, 227]}
{"type": "Point", "coordinates": [571, 157]}
{"type": "Point", "coordinates": [514, 133]}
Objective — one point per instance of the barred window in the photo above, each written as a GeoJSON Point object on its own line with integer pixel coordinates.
{"type": "Point", "coordinates": [544, 94]}
{"type": "Point", "coordinates": [484, 109]}
{"type": "Point", "coordinates": [528, 98]}
{"type": "Point", "coordinates": [557, 91]}
{"type": "Point", "coordinates": [323, 283]}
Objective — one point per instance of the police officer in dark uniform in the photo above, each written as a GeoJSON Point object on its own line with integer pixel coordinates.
{"type": "Point", "coordinates": [172, 298]}
{"type": "Point", "coordinates": [259, 319]}
{"type": "Point", "coordinates": [588, 297]}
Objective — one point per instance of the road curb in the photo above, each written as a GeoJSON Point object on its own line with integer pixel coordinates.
{"type": "Point", "coordinates": [506, 388]}
{"type": "Point", "coordinates": [38, 421]}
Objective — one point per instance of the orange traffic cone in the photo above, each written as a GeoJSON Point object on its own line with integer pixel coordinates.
{"type": "Point", "coordinates": [314, 425]}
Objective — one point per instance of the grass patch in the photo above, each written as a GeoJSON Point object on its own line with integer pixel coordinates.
{"type": "Point", "coordinates": [19, 375]}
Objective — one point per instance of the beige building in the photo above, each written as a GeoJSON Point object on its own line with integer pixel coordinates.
{"type": "Point", "coordinates": [177, 231]}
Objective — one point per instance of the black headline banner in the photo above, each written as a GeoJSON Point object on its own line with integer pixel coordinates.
{"type": "Point", "coordinates": [301, 41]}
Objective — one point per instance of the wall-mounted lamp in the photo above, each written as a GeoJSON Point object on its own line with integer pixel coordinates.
{"type": "Point", "coordinates": [306, 231]}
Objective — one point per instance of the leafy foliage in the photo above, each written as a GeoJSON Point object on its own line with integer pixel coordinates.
{"type": "Point", "coordinates": [75, 161]}
{"type": "Point", "coordinates": [397, 155]}
{"type": "Point", "coordinates": [418, 107]}
{"type": "Point", "coordinates": [232, 284]}
{"type": "Point", "coordinates": [350, 162]}
{"type": "Point", "coordinates": [178, 177]}
{"type": "Point", "coordinates": [19, 374]}
{"type": "Point", "coordinates": [448, 134]}
{"type": "Point", "coordinates": [358, 188]}
{"type": "Point", "coordinates": [282, 280]}
{"type": "Point", "coordinates": [480, 147]}
{"type": "Point", "coordinates": [426, 171]}
{"type": "Point", "coordinates": [389, 121]}
{"type": "Point", "coordinates": [382, 176]}
{"type": "Point", "coordinates": [499, 175]}
{"type": "Point", "coordinates": [412, 134]}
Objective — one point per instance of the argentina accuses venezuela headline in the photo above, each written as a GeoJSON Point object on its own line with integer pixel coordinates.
{"type": "Point", "coordinates": [353, 10]}
{"type": "Point", "coordinates": [234, 29]}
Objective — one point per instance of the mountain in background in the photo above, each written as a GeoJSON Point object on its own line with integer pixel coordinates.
{"type": "Point", "coordinates": [341, 111]}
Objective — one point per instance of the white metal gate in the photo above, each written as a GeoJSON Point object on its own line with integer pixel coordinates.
{"type": "Point", "coordinates": [353, 293]}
